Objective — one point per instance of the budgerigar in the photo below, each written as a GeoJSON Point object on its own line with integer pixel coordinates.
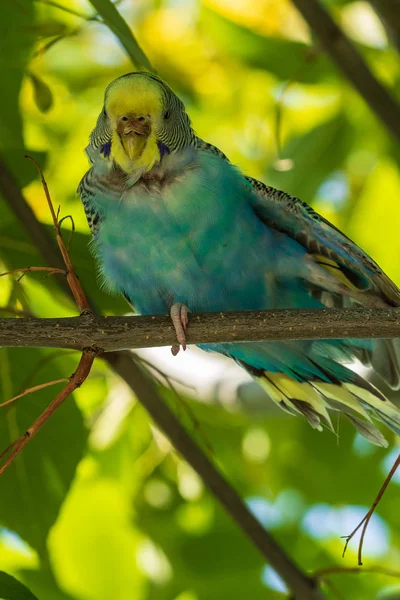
{"type": "Point", "coordinates": [177, 228]}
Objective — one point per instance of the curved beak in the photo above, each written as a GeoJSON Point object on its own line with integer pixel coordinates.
{"type": "Point", "coordinates": [133, 131]}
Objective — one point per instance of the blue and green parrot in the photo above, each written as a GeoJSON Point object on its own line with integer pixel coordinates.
{"type": "Point", "coordinates": [177, 228]}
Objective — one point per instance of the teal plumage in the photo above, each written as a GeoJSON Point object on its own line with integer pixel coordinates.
{"type": "Point", "coordinates": [174, 223]}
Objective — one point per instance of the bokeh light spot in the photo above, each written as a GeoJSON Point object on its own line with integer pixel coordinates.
{"type": "Point", "coordinates": [256, 445]}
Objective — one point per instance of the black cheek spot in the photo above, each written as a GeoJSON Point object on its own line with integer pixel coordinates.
{"type": "Point", "coordinates": [105, 149]}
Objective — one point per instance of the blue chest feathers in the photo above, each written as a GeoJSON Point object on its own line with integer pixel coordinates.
{"type": "Point", "coordinates": [191, 236]}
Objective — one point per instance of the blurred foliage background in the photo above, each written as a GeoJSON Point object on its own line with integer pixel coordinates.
{"type": "Point", "coordinates": [99, 505]}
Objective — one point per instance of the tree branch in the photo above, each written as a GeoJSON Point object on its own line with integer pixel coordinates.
{"type": "Point", "coordinates": [351, 63]}
{"type": "Point", "coordinates": [116, 333]}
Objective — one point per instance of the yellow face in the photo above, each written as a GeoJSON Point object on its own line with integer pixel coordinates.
{"type": "Point", "coordinates": [134, 109]}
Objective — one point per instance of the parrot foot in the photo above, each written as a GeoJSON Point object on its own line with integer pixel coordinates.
{"type": "Point", "coordinates": [179, 315]}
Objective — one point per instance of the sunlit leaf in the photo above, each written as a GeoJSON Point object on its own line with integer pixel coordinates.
{"type": "Point", "coordinates": [94, 542]}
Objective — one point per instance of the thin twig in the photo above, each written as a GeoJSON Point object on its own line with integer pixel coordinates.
{"type": "Point", "coordinates": [72, 278]}
{"type": "Point", "coordinates": [365, 521]}
{"type": "Point", "coordinates": [81, 373]}
{"type": "Point", "coordinates": [33, 389]}
{"type": "Point", "coordinates": [24, 270]}
{"type": "Point", "coordinates": [336, 570]}
{"type": "Point", "coordinates": [72, 228]}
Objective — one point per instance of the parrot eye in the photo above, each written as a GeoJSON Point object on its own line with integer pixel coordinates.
{"type": "Point", "coordinates": [124, 118]}
{"type": "Point", "coordinates": [167, 114]}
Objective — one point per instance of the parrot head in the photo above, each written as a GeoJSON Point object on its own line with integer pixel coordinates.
{"type": "Point", "coordinates": [141, 121]}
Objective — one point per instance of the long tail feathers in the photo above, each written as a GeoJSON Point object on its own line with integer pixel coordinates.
{"type": "Point", "coordinates": [356, 398]}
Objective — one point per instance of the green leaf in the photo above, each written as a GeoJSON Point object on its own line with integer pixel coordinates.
{"type": "Point", "coordinates": [16, 40]}
{"type": "Point", "coordinates": [33, 488]}
{"type": "Point", "coordinates": [12, 589]}
{"type": "Point", "coordinates": [119, 27]}
{"type": "Point", "coordinates": [42, 93]}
